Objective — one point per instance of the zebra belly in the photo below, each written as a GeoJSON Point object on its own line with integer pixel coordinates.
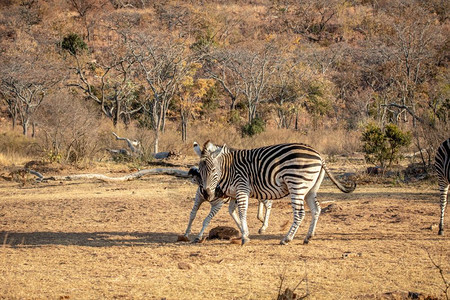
{"type": "Point", "coordinates": [270, 192]}
{"type": "Point", "coordinates": [276, 192]}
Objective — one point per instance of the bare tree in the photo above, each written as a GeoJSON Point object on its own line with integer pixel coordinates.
{"type": "Point", "coordinates": [108, 81]}
{"type": "Point", "coordinates": [219, 67]}
{"type": "Point", "coordinates": [253, 71]}
{"type": "Point", "coordinates": [286, 92]}
{"type": "Point", "coordinates": [309, 18]}
{"type": "Point", "coordinates": [163, 65]}
{"type": "Point", "coordinates": [86, 10]}
{"type": "Point", "coordinates": [25, 81]}
{"type": "Point", "coordinates": [27, 97]}
{"type": "Point", "coordinates": [409, 55]}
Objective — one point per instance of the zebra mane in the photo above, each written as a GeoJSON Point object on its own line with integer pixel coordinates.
{"type": "Point", "coordinates": [210, 148]}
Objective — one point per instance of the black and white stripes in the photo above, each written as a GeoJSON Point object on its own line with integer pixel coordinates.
{"type": "Point", "coordinates": [267, 173]}
{"type": "Point", "coordinates": [442, 165]}
{"type": "Point", "coordinates": [264, 207]}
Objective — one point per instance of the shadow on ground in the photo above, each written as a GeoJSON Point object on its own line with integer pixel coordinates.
{"type": "Point", "coordinates": [88, 239]}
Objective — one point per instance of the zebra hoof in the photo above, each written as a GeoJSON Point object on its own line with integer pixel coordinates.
{"type": "Point", "coordinates": [245, 241]}
{"type": "Point", "coordinates": [306, 242]}
{"type": "Point", "coordinates": [199, 240]}
{"type": "Point", "coordinates": [261, 230]}
{"type": "Point", "coordinates": [441, 232]}
{"type": "Point", "coordinates": [284, 242]}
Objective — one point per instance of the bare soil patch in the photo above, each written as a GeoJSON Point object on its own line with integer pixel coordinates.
{"type": "Point", "coordinates": [91, 240]}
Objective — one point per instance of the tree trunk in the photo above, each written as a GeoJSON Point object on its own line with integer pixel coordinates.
{"type": "Point", "coordinates": [25, 127]}
{"type": "Point", "coordinates": [33, 129]}
{"type": "Point", "coordinates": [233, 103]}
{"type": "Point", "coordinates": [251, 112]}
{"type": "Point", "coordinates": [13, 120]}
{"type": "Point", "coordinates": [156, 145]}
{"type": "Point", "coordinates": [116, 115]}
{"type": "Point", "coordinates": [184, 128]}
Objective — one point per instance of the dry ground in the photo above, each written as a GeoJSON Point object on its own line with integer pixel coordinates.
{"type": "Point", "coordinates": [96, 240]}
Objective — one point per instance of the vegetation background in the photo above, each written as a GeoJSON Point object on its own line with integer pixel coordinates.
{"type": "Point", "coordinates": [247, 73]}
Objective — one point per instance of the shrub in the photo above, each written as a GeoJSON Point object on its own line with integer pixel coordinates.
{"type": "Point", "coordinates": [256, 126]}
{"type": "Point", "coordinates": [384, 146]}
{"type": "Point", "coordinates": [73, 43]}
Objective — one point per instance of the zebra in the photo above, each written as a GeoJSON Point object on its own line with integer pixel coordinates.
{"type": "Point", "coordinates": [264, 207]}
{"type": "Point", "coordinates": [268, 173]}
{"type": "Point", "coordinates": [442, 165]}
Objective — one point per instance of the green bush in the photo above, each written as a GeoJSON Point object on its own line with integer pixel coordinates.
{"type": "Point", "coordinates": [383, 146]}
{"type": "Point", "coordinates": [256, 126]}
{"type": "Point", "coordinates": [73, 43]}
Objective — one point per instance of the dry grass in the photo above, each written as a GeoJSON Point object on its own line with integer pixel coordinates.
{"type": "Point", "coordinates": [15, 149]}
{"type": "Point", "coordinates": [90, 240]}
{"type": "Point", "coordinates": [329, 141]}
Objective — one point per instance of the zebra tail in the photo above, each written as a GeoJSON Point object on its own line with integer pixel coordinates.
{"type": "Point", "coordinates": [347, 188]}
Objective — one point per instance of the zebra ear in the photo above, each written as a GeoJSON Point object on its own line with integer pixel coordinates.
{"type": "Point", "coordinates": [219, 151]}
{"type": "Point", "coordinates": [210, 147]}
{"type": "Point", "coordinates": [197, 149]}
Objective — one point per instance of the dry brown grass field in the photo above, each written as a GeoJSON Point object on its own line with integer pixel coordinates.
{"type": "Point", "coordinates": [103, 240]}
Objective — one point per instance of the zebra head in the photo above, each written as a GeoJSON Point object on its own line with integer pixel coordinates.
{"type": "Point", "coordinates": [209, 168]}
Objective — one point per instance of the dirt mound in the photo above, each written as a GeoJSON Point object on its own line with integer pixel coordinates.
{"type": "Point", "coordinates": [223, 233]}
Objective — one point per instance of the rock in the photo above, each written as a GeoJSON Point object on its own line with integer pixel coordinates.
{"type": "Point", "coordinates": [182, 238]}
{"type": "Point", "coordinates": [184, 266]}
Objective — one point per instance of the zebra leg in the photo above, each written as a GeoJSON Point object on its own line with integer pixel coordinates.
{"type": "Point", "coordinates": [215, 207]}
{"type": "Point", "coordinates": [299, 214]}
{"type": "Point", "coordinates": [260, 212]}
{"type": "Point", "coordinates": [311, 200]}
{"type": "Point", "coordinates": [443, 189]}
{"type": "Point", "coordinates": [268, 208]}
{"type": "Point", "coordinates": [242, 204]}
{"type": "Point", "coordinates": [198, 201]}
{"type": "Point", "coordinates": [232, 210]}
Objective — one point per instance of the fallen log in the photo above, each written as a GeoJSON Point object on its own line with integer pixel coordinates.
{"type": "Point", "coordinates": [132, 176]}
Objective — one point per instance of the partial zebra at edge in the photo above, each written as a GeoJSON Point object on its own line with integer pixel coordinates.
{"type": "Point", "coordinates": [442, 166]}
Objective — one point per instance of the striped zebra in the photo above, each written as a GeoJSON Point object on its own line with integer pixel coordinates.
{"type": "Point", "coordinates": [264, 207]}
{"type": "Point", "coordinates": [267, 173]}
{"type": "Point", "coordinates": [442, 165]}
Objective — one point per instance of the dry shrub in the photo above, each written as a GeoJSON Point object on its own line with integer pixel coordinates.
{"type": "Point", "coordinates": [68, 129]}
